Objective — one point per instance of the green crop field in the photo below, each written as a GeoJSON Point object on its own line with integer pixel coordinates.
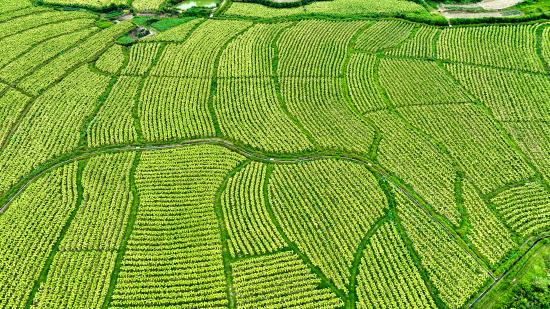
{"type": "Point", "coordinates": [261, 154]}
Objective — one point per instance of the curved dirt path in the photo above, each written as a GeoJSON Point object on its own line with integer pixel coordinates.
{"type": "Point", "coordinates": [220, 142]}
{"type": "Point", "coordinates": [264, 158]}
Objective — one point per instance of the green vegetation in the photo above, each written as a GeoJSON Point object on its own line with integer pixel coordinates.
{"type": "Point", "coordinates": [500, 44]}
{"type": "Point", "coordinates": [417, 161]}
{"type": "Point", "coordinates": [335, 7]}
{"type": "Point", "coordinates": [433, 244]}
{"type": "Point", "coordinates": [511, 95]}
{"type": "Point", "coordinates": [419, 46]}
{"type": "Point", "coordinates": [168, 240]}
{"type": "Point", "coordinates": [175, 34]}
{"type": "Point", "coordinates": [489, 235]}
{"type": "Point", "coordinates": [532, 139]}
{"type": "Point", "coordinates": [473, 139]}
{"type": "Point", "coordinates": [106, 190]}
{"type": "Point", "coordinates": [111, 60]}
{"type": "Point", "coordinates": [27, 63]}
{"type": "Point", "coordinates": [166, 24]}
{"type": "Point", "coordinates": [28, 239]}
{"type": "Point", "coordinates": [319, 104]}
{"type": "Point", "coordinates": [317, 156]}
{"type": "Point", "coordinates": [248, 112]}
{"type": "Point", "coordinates": [51, 126]}
{"type": "Point", "coordinates": [418, 82]}
{"type": "Point", "coordinates": [315, 48]}
{"type": "Point", "coordinates": [12, 104]}
{"type": "Point", "coordinates": [279, 280]}
{"type": "Point", "coordinates": [361, 77]}
{"type": "Point", "coordinates": [342, 202]}
{"type": "Point", "coordinates": [113, 123]}
{"type": "Point", "coordinates": [141, 58]}
{"type": "Point", "coordinates": [76, 279]}
{"type": "Point", "coordinates": [47, 75]}
{"type": "Point", "coordinates": [175, 108]}
{"type": "Point", "coordinates": [102, 24]}
{"type": "Point", "coordinates": [383, 34]}
{"type": "Point", "coordinates": [524, 208]}
{"type": "Point", "coordinates": [125, 40]}
{"type": "Point", "coordinates": [250, 229]}
{"type": "Point", "coordinates": [526, 286]}
{"type": "Point", "coordinates": [196, 57]}
{"type": "Point", "coordinates": [533, 6]}
{"type": "Point", "coordinates": [387, 263]}
{"type": "Point", "coordinates": [18, 44]}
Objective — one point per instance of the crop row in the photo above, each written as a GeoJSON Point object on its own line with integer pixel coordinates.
{"type": "Point", "coordinates": [315, 48]}
{"type": "Point", "coordinates": [76, 280]}
{"type": "Point", "coordinates": [387, 266]}
{"type": "Point", "coordinates": [196, 56]}
{"type": "Point", "coordinates": [361, 78]}
{"type": "Point", "coordinates": [326, 207]}
{"type": "Point", "coordinates": [251, 231]}
{"type": "Point", "coordinates": [114, 123]}
{"type": "Point", "coordinates": [279, 281]}
{"type": "Point", "coordinates": [92, 3]}
{"type": "Point", "coordinates": [85, 51]}
{"type": "Point", "coordinates": [511, 47]}
{"type": "Point", "coordinates": [417, 162]}
{"type": "Point", "coordinates": [337, 7]}
{"type": "Point", "coordinates": [251, 54]}
{"type": "Point", "coordinates": [12, 103]}
{"type": "Point", "coordinates": [100, 224]}
{"type": "Point", "coordinates": [383, 34]}
{"type": "Point", "coordinates": [29, 62]}
{"type": "Point", "coordinates": [524, 208]}
{"type": "Point", "coordinates": [175, 108]}
{"type": "Point", "coordinates": [30, 228]}
{"type": "Point", "coordinates": [176, 238]}
{"type": "Point", "coordinates": [248, 111]}
{"type": "Point", "coordinates": [532, 140]}
{"type": "Point", "coordinates": [141, 58]}
{"type": "Point", "coordinates": [52, 125]}
{"type": "Point", "coordinates": [17, 25]}
{"type": "Point", "coordinates": [421, 45]}
{"type": "Point", "coordinates": [472, 138]}
{"type": "Point", "coordinates": [454, 273]}
{"type": "Point", "coordinates": [511, 95]}
{"type": "Point", "coordinates": [487, 233]}
{"type": "Point", "coordinates": [111, 60]}
{"type": "Point", "coordinates": [320, 106]}
{"type": "Point", "coordinates": [418, 82]}
{"type": "Point", "coordinates": [7, 12]}
{"type": "Point", "coordinates": [16, 45]}
{"type": "Point", "coordinates": [545, 45]}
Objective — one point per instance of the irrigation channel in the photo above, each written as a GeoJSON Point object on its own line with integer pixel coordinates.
{"type": "Point", "coordinates": [268, 159]}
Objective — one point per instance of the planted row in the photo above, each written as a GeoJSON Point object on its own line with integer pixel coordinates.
{"type": "Point", "coordinates": [174, 255]}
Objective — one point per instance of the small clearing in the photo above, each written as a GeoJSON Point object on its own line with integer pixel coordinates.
{"type": "Point", "coordinates": [467, 14]}
{"type": "Point", "coordinates": [488, 5]}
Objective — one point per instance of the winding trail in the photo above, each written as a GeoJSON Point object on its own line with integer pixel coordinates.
{"type": "Point", "coordinates": [256, 157]}
{"type": "Point", "coordinates": [268, 159]}
{"type": "Point", "coordinates": [215, 141]}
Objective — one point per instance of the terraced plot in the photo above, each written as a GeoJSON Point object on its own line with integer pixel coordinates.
{"type": "Point", "coordinates": [320, 156]}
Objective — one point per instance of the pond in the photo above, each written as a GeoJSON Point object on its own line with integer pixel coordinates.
{"type": "Point", "coordinates": [196, 3]}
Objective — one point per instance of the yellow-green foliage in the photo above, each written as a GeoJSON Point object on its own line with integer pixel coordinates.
{"type": "Point", "coordinates": [112, 60]}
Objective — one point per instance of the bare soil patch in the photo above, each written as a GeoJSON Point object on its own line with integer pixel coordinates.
{"type": "Point", "coordinates": [488, 5]}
